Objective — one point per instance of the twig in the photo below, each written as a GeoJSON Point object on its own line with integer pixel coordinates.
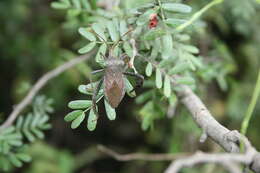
{"type": "Point", "coordinates": [39, 84]}
{"type": "Point", "coordinates": [225, 159]}
{"type": "Point", "coordinates": [140, 156]}
{"type": "Point", "coordinates": [198, 14]}
{"type": "Point", "coordinates": [251, 106]}
{"type": "Point", "coordinates": [227, 139]}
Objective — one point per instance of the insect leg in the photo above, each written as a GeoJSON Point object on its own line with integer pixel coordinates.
{"type": "Point", "coordinates": [94, 97]}
{"type": "Point", "coordinates": [97, 71]}
{"type": "Point", "coordinates": [140, 79]}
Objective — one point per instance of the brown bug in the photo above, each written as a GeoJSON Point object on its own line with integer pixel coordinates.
{"type": "Point", "coordinates": [113, 79]}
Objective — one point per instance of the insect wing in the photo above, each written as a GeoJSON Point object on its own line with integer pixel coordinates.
{"type": "Point", "coordinates": [114, 86]}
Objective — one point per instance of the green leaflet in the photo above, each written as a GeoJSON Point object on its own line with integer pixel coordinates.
{"type": "Point", "coordinates": [88, 35]}
{"type": "Point", "coordinates": [123, 28]}
{"type": "Point", "coordinates": [179, 68]}
{"type": "Point", "coordinates": [99, 30]}
{"type": "Point", "coordinates": [73, 115]}
{"type": "Point", "coordinates": [129, 88]}
{"type": "Point", "coordinates": [158, 78]}
{"type": "Point", "coordinates": [128, 49]}
{"type": "Point", "coordinates": [24, 157]}
{"type": "Point", "coordinates": [76, 4]}
{"type": "Point", "coordinates": [111, 113]}
{"type": "Point", "coordinates": [15, 161]}
{"type": "Point", "coordinates": [75, 123]}
{"type": "Point", "coordinates": [102, 50]}
{"type": "Point", "coordinates": [144, 97]}
{"type": "Point", "coordinates": [149, 69]}
{"type": "Point", "coordinates": [167, 46]}
{"type": "Point", "coordinates": [190, 49]}
{"type": "Point", "coordinates": [86, 5]}
{"type": "Point", "coordinates": [185, 80]}
{"type": "Point", "coordinates": [80, 104]}
{"type": "Point", "coordinates": [174, 22]}
{"type": "Point", "coordinates": [176, 7]}
{"type": "Point", "coordinates": [153, 34]}
{"type": "Point", "coordinates": [89, 88]}
{"type": "Point", "coordinates": [87, 48]}
{"type": "Point", "coordinates": [60, 5]}
{"type": "Point", "coordinates": [112, 31]}
{"type": "Point", "coordinates": [147, 116]}
{"type": "Point", "coordinates": [167, 86]}
{"type": "Point", "coordinates": [92, 121]}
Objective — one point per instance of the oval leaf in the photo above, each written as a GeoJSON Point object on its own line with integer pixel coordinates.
{"type": "Point", "coordinates": [24, 157]}
{"type": "Point", "coordinates": [149, 69]}
{"type": "Point", "coordinates": [153, 34]}
{"type": "Point", "coordinates": [176, 7]}
{"type": "Point", "coordinates": [80, 104]}
{"type": "Point", "coordinates": [88, 35]}
{"type": "Point", "coordinates": [15, 161]}
{"type": "Point", "coordinates": [111, 113]}
{"type": "Point", "coordinates": [102, 50]}
{"type": "Point", "coordinates": [129, 87]}
{"type": "Point", "coordinates": [75, 123]}
{"type": "Point", "coordinates": [128, 49]}
{"type": "Point", "coordinates": [123, 28]}
{"type": "Point", "coordinates": [167, 86]}
{"type": "Point", "coordinates": [185, 80]}
{"type": "Point", "coordinates": [174, 22]}
{"type": "Point", "coordinates": [99, 30]}
{"type": "Point", "coordinates": [158, 79]}
{"type": "Point", "coordinates": [73, 115]}
{"type": "Point", "coordinates": [59, 5]}
{"type": "Point", "coordinates": [179, 68]}
{"type": "Point", "coordinates": [167, 46]}
{"type": "Point", "coordinates": [112, 31]}
{"type": "Point", "coordinates": [87, 48]}
{"type": "Point", "coordinates": [92, 121]}
{"type": "Point", "coordinates": [191, 49]}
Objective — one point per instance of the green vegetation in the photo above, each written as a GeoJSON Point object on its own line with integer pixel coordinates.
{"type": "Point", "coordinates": [211, 46]}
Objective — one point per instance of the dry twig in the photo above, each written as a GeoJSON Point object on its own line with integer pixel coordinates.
{"type": "Point", "coordinates": [140, 156]}
{"type": "Point", "coordinates": [40, 84]}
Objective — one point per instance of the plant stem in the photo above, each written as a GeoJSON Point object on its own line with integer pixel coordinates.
{"type": "Point", "coordinates": [162, 13]}
{"type": "Point", "coordinates": [251, 106]}
{"type": "Point", "coordinates": [250, 109]}
{"type": "Point", "coordinates": [198, 14]}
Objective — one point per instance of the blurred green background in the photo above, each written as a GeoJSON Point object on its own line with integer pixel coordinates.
{"type": "Point", "coordinates": [34, 38]}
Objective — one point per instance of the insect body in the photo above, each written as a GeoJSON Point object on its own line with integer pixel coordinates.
{"type": "Point", "coordinates": [114, 72]}
{"type": "Point", "coordinates": [114, 85]}
{"type": "Point", "coordinates": [114, 81]}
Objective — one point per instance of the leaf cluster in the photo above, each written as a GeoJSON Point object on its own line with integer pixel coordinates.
{"type": "Point", "coordinates": [28, 128]}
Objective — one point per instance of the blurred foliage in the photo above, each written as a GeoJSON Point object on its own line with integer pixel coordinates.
{"type": "Point", "coordinates": [36, 38]}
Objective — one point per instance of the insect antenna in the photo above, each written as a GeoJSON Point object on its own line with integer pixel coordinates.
{"type": "Point", "coordinates": [101, 39]}
{"type": "Point", "coordinates": [119, 40]}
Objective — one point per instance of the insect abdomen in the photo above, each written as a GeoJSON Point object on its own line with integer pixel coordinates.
{"type": "Point", "coordinates": [114, 86]}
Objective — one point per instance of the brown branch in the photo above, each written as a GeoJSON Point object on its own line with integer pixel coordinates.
{"type": "Point", "coordinates": [227, 160]}
{"type": "Point", "coordinates": [39, 84]}
{"type": "Point", "coordinates": [140, 156]}
{"type": "Point", "coordinates": [227, 139]}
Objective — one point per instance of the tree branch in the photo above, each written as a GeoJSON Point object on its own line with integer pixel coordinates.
{"type": "Point", "coordinates": [140, 156]}
{"type": "Point", "coordinates": [228, 160]}
{"type": "Point", "coordinates": [40, 84]}
{"type": "Point", "coordinates": [227, 139]}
